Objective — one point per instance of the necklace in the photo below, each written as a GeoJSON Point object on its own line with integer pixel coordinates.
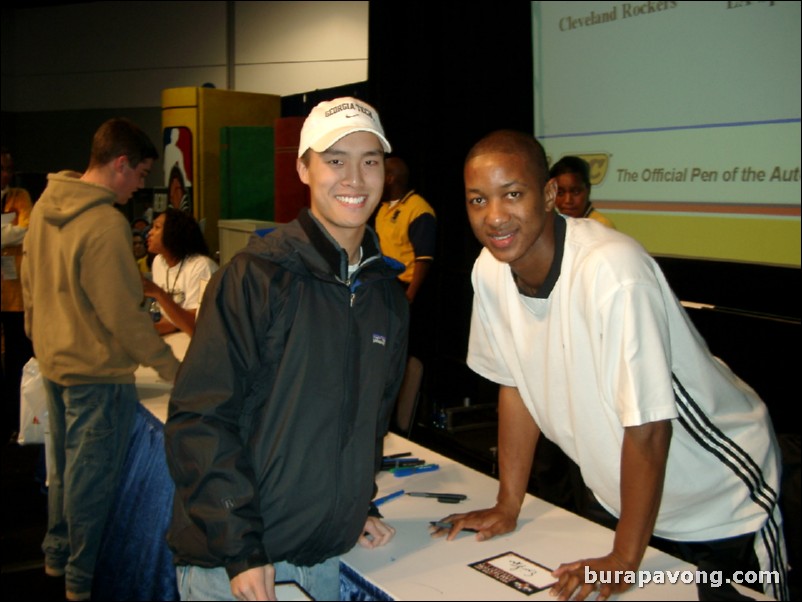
{"type": "Point", "coordinates": [178, 296]}
{"type": "Point", "coordinates": [523, 288]}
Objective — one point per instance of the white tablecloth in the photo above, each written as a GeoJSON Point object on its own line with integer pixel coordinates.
{"type": "Point", "coordinates": [154, 393]}
{"type": "Point", "coordinates": [415, 566]}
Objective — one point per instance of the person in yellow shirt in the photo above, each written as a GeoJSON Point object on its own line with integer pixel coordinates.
{"type": "Point", "coordinates": [407, 228]}
{"type": "Point", "coordinates": [406, 225]}
{"type": "Point", "coordinates": [17, 206]}
{"type": "Point", "coordinates": [573, 189]}
{"type": "Point", "coordinates": [140, 252]}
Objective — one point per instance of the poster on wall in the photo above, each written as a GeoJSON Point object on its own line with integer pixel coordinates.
{"type": "Point", "coordinates": [178, 168]}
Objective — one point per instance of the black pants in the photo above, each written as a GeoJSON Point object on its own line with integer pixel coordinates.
{"type": "Point", "coordinates": [726, 555]}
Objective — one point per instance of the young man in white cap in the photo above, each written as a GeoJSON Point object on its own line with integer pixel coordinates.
{"type": "Point", "coordinates": [276, 421]}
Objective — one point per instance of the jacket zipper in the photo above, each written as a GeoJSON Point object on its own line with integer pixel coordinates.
{"type": "Point", "coordinates": [353, 293]}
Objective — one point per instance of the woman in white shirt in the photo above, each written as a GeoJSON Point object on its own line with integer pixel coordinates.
{"type": "Point", "coordinates": [181, 269]}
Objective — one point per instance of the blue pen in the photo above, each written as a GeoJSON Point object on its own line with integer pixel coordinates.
{"type": "Point", "coordinates": [405, 472]}
{"type": "Point", "coordinates": [388, 497]}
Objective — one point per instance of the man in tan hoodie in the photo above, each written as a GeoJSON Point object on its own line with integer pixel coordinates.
{"type": "Point", "coordinates": [84, 312]}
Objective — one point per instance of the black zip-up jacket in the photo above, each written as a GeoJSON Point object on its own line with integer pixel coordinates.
{"type": "Point", "coordinates": [278, 412]}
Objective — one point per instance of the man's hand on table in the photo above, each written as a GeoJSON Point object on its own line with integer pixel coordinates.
{"type": "Point", "coordinates": [487, 523]}
{"type": "Point", "coordinates": [258, 583]}
{"type": "Point", "coordinates": [571, 583]}
{"type": "Point", "coordinates": [376, 533]}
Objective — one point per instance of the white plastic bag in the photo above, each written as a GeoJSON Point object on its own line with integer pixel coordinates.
{"type": "Point", "coordinates": [33, 405]}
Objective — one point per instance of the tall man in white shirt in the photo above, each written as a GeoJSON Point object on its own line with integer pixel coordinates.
{"type": "Point", "coordinates": [577, 324]}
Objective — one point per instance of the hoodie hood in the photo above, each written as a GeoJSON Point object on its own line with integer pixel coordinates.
{"type": "Point", "coordinates": [66, 197]}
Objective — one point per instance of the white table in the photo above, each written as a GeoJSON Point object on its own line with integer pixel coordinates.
{"type": "Point", "coordinates": [415, 566]}
{"type": "Point", "coordinates": [154, 393]}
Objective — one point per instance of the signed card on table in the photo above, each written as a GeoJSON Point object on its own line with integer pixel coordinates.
{"type": "Point", "coordinates": [517, 572]}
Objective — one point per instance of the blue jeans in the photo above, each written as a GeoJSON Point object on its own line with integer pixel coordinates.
{"type": "Point", "coordinates": [321, 581]}
{"type": "Point", "coordinates": [90, 429]}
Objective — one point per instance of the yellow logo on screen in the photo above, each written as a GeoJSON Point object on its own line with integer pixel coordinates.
{"type": "Point", "coordinates": [598, 162]}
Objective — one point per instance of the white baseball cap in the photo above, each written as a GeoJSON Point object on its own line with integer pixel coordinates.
{"type": "Point", "coordinates": [332, 120]}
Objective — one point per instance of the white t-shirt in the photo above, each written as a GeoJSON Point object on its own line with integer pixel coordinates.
{"type": "Point", "coordinates": [184, 280]}
{"type": "Point", "coordinates": [606, 345]}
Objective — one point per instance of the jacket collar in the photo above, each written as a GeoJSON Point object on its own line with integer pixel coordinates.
{"type": "Point", "coordinates": [333, 254]}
